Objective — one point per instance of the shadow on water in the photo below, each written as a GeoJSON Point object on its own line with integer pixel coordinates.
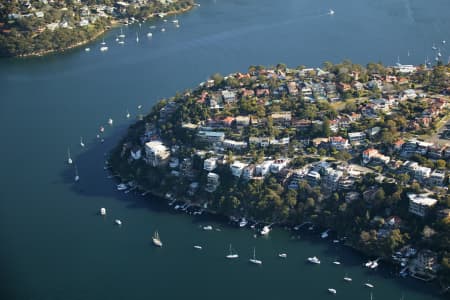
{"type": "Point", "coordinates": [94, 182]}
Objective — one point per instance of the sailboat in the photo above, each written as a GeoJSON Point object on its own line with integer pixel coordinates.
{"type": "Point", "coordinates": [77, 177]}
{"type": "Point", "coordinates": [232, 255]}
{"type": "Point", "coordinates": [103, 42]}
{"type": "Point", "coordinates": [156, 240]}
{"type": "Point", "coordinates": [254, 260]}
{"type": "Point", "coordinates": [81, 142]}
{"type": "Point", "coordinates": [69, 159]}
{"type": "Point", "coordinates": [137, 38]}
{"type": "Point", "coordinates": [121, 35]}
{"type": "Point", "coordinates": [348, 279]}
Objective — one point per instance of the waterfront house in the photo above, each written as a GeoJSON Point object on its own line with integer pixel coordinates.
{"type": "Point", "coordinates": [419, 204]}
{"type": "Point", "coordinates": [425, 266]}
{"type": "Point", "coordinates": [156, 153]}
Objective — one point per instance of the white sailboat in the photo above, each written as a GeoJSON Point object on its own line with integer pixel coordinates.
{"type": "Point", "coordinates": [81, 142]}
{"type": "Point", "coordinates": [254, 260]}
{"type": "Point", "coordinates": [232, 255]}
{"type": "Point", "coordinates": [69, 159]}
{"type": "Point", "coordinates": [121, 35]}
{"type": "Point", "coordinates": [348, 279]}
{"type": "Point", "coordinates": [77, 177]}
{"type": "Point", "coordinates": [103, 42]}
{"type": "Point", "coordinates": [156, 240]}
{"type": "Point", "coordinates": [137, 38]}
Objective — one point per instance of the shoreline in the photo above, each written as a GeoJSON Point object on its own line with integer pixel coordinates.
{"type": "Point", "coordinates": [114, 23]}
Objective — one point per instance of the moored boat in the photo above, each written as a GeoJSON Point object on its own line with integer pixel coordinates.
{"type": "Point", "coordinates": [314, 260]}
{"type": "Point", "coordinates": [265, 230]}
{"type": "Point", "coordinates": [232, 255]}
{"type": "Point", "coordinates": [156, 240]}
{"type": "Point", "coordinates": [103, 211]}
{"type": "Point", "coordinates": [254, 260]}
{"type": "Point", "coordinates": [333, 291]}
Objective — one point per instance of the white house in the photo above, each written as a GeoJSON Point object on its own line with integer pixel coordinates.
{"type": "Point", "coordinates": [212, 182]}
{"type": "Point", "coordinates": [264, 168]}
{"type": "Point", "coordinates": [278, 165]}
{"type": "Point", "coordinates": [210, 164]}
{"type": "Point", "coordinates": [419, 204]}
{"type": "Point", "coordinates": [237, 167]}
{"type": "Point", "coordinates": [157, 153]}
{"type": "Point", "coordinates": [356, 137]}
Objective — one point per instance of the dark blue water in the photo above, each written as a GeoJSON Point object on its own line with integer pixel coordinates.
{"type": "Point", "coordinates": [54, 246]}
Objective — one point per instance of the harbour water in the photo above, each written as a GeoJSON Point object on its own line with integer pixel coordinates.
{"type": "Point", "coordinates": [53, 243]}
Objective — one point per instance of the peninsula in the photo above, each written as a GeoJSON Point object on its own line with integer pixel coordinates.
{"type": "Point", "coordinates": [363, 150]}
{"type": "Point", "coordinates": [39, 27]}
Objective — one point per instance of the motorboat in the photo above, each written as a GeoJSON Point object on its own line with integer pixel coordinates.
{"type": "Point", "coordinates": [163, 29]}
{"type": "Point", "coordinates": [156, 240]}
{"type": "Point", "coordinates": [369, 285]}
{"type": "Point", "coordinates": [87, 49]}
{"type": "Point", "coordinates": [348, 279]}
{"type": "Point", "coordinates": [81, 142]}
{"type": "Point", "coordinates": [368, 264]}
{"type": "Point", "coordinates": [149, 34]}
{"type": "Point", "coordinates": [314, 260]}
{"type": "Point", "coordinates": [121, 42]}
{"type": "Point", "coordinates": [265, 230]}
{"type": "Point", "coordinates": [232, 255]}
{"type": "Point", "coordinates": [128, 114]}
{"type": "Point", "coordinates": [121, 187]}
{"type": "Point", "coordinates": [110, 121]}
{"type": "Point", "coordinates": [103, 211]}
{"type": "Point", "coordinates": [139, 106]}
{"type": "Point", "coordinates": [333, 291]}
{"type": "Point", "coordinates": [198, 247]}
{"type": "Point", "coordinates": [336, 262]}
{"type": "Point", "coordinates": [118, 222]}
{"type": "Point", "coordinates": [282, 255]}
{"type": "Point", "coordinates": [137, 38]}
{"type": "Point", "coordinates": [207, 227]}
{"type": "Point", "coordinates": [254, 260]}
{"type": "Point", "coordinates": [331, 12]}
{"type": "Point", "coordinates": [102, 129]}
{"type": "Point", "coordinates": [77, 177]}
{"type": "Point", "coordinates": [324, 234]}
{"type": "Point", "coordinates": [104, 48]}
{"type": "Point", "coordinates": [243, 222]}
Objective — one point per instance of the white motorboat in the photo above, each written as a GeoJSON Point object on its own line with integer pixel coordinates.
{"type": "Point", "coordinates": [198, 247]}
{"type": "Point", "coordinates": [374, 265]}
{"type": "Point", "coordinates": [368, 264]}
{"type": "Point", "coordinates": [149, 34]}
{"type": "Point", "coordinates": [103, 211]}
{"type": "Point", "coordinates": [333, 291]}
{"type": "Point", "coordinates": [87, 49]}
{"type": "Point", "coordinates": [177, 25]}
{"type": "Point", "coordinates": [69, 159]}
{"type": "Point", "coordinates": [110, 121]}
{"type": "Point", "coordinates": [243, 222]}
{"type": "Point", "coordinates": [336, 241]}
{"type": "Point", "coordinates": [81, 142]}
{"type": "Point", "coordinates": [163, 29]}
{"type": "Point", "coordinates": [324, 234]}
{"type": "Point", "coordinates": [121, 42]}
{"type": "Point", "coordinates": [369, 285]}
{"type": "Point", "coordinates": [118, 222]}
{"type": "Point", "coordinates": [139, 106]}
{"type": "Point", "coordinates": [265, 230]}
{"type": "Point", "coordinates": [121, 187]}
{"type": "Point", "coordinates": [336, 262]}
{"type": "Point", "coordinates": [152, 27]}
{"type": "Point", "coordinates": [207, 227]}
{"type": "Point", "coordinates": [434, 47]}
{"type": "Point", "coordinates": [156, 240]}
{"type": "Point", "coordinates": [137, 38]}
{"type": "Point", "coordinates": [331, 12]}
{"type": "Point", "coordinates": [254, 260]}
{"type": "Point", "coordinates": [77, 177]}
{"type": "Point", "coordinates": [104, 48]}
{"type": "Point", "coordinates": [444, 41]}
{"type": "Point", "coordinates": [128, 114]}
{"type": "Point", "coordinates": [232, 255]}
{"type": "Point", "coordinates": [314, 260]}
{"type": "Point", "coordinates": [282, 255]}
{"type": "Point", "coordinates": [348, 279]}
{"type": "Point", "coordinates": [102, 129]}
